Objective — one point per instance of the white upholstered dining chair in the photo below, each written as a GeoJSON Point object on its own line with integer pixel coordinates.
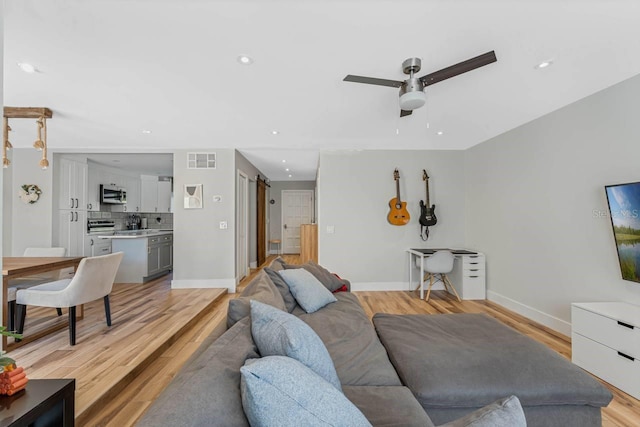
{"type": "Point", "coordinates": [27, 282]}
{"type": "Point", "coordinates": [437, 267]}
{"type": "Point", "coordinates": [93, 280]}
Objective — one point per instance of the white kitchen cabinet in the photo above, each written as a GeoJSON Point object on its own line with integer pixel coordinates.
{"type": "Point", "coordinates": [155, 193]}
{"type": "Point", "coordinates": [71, 226]}
{"type": "Point", "coordinates": [93, 246]}
{"type": "Point", "coordinates": [145, 257]}
{"type": "Point", "coordinates": [132, 187]}
{"type": "Point", "coordinates": [605, 340]}
{"type": "Point", "coordinates": [94, 179]}
{"type": "Point", "coordinates": [72, 184]}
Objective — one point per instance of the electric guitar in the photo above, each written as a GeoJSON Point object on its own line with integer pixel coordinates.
{"type": "Point", "coordinates": [427, 214]}
{"type": "Point", "coordinates": [398, 215]}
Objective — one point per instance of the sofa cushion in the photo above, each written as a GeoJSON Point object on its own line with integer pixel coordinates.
{"type": "Point", "coordinates": [503, 413]}
{"type": "Point", "coordinates": [388, 406]}
{"type": "Point", "coordinates": [262, 289]}
{"type": "Point", "coordinates": [206, 392]}
{"type": "Point", "coordinates": [491, 361]}
{"type": "Point", "coordinates": [307, 290]}
{"type": "Point", "coordinates": [289, 301]}
{"type": "Point", "coordinates": [277, 333]}
{"type": "Point", "coordinates": [347, 332]}
{"type": "Point", "coordinates": [280, 391]}
{"type": "Point", "coordinates": [328, 279]}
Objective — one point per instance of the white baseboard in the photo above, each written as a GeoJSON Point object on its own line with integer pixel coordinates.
{"type": "Point", "coordinates": [548, 320]}
{"type": "Point", "coordinates": [388, 286]}
{"type": "Point", "coordinates": [230, 284]}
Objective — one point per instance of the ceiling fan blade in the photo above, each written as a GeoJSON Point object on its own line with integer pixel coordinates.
{"type": "Point", "coordinates": [459, 68]}
{"type": "Point", "coordinates": [373, 81]}
{"type": "Point", "coordinates": [405, 113]}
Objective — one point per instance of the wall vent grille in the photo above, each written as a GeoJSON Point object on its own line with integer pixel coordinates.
{"type": "Point", "coordinates": [201, 160]}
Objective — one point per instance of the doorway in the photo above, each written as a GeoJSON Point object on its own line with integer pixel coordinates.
{"type": "Point", "coordinates": [297, 209]}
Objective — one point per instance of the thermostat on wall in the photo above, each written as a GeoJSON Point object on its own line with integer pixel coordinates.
{"type": "Point", "coordinates": [217, 198]}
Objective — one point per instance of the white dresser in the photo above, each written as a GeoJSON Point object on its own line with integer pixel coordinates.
{"type": "Point", "coordinates": [605, 340]}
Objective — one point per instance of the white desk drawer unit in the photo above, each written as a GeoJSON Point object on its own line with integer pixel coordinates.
{"type": "Point", "coordinates": [468, 276]}
{"type": "Point", "coordinates": [605, 340]}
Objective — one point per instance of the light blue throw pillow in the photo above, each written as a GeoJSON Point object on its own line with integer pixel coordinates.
{"type": "Point", "coordinates": [280, 391]}
{"type": "Point", "coordinates": [505, 412]}
{"type": "Point", "coordinates": [310, 293]}
{"type": "Point", "coordinates": [278, 333]}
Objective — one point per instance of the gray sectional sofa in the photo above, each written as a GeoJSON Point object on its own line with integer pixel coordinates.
{"type": "Point", "coordinates": [207, 392]}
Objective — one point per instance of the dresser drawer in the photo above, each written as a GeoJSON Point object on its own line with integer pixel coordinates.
{"type": "Point", "coordinates": [602, 329]}
{"type": "Point", "coordinates": [606, 363]}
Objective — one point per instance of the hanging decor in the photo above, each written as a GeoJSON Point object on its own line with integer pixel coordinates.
{"type": "Point", "coordinates": [29, 193]}
{"type": "Point", "coordinates": [41, 114]}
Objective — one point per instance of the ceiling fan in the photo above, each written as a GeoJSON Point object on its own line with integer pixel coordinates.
{"type": "Point", "coordinates": [412, 94]}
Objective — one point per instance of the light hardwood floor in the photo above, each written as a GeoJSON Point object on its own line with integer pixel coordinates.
{"type": "Point", "coordinates": [125, 408]}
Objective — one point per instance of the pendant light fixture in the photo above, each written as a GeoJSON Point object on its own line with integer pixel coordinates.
{"type": "Point", "coordinates": [41, 114]}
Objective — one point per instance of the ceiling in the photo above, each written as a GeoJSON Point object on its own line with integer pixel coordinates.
{"type": "Point", "coordinates": [110, 69]}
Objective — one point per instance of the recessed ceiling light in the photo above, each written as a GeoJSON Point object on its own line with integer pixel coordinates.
{"type": "Point", "coordinates": [440, 132]}
{"type": "Point", "coordinates": [286, 170]}
{"type": "Point", "coordinates": [544, 64]}
{"type": "Point", "coordinates": [274, 132]}
{"type": "Point", "coordinates": [245, 60]}
{"type": "Point", "coordinates": [146, 131]}
{"type": "Point", "coordinates": [27, 68]}
{"type": "Point", "coordinates": [284, 161]}
{"type": "Point", "coordinates": [290, 175]}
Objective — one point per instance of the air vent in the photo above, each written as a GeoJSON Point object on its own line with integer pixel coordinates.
{"type": "Point", "coordinates": [201, 160]}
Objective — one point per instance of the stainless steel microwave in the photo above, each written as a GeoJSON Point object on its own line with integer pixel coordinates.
{"type": "Point", "coordinates": [112, 194]}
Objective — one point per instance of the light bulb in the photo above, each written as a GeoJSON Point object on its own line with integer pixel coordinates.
{"type": "Point", "coordinates": [5, 162]}
{"type": "Point", "coordinates": [44, 164]}
{"type": "Point", "coordinates": [38, 145]}
{"type": "Point", "coordinates": [8, 145]}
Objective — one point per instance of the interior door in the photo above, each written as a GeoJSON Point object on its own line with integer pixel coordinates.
{"type": "Point", "coordinates": [297, 208]}
{"type": "Point", "coordinates": [261, 206]}
{"type": "Point", "coordinates": [242, 221]}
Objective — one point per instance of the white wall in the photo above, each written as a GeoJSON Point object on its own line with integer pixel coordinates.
{"type": "Point", "coordinates": [354, 189]}
{"type": "Point", "coordinates": [204, 255]}
{"type": "Point", "coordinates": [533, 198]}
{"type": "Point", "coordinates": [31, 224]}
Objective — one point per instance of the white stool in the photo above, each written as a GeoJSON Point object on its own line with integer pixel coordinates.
{"type": "Point", "coordinates": [276, 242]}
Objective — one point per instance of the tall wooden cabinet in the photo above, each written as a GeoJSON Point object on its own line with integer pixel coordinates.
{"type": "Point", "coordinates": [309, 242]}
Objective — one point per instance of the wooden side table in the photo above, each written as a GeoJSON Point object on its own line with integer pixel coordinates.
{"type": "Point", "coordinates": [44, 402]}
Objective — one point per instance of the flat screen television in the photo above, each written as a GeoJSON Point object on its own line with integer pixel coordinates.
{"type": "Point", "coordinates": [624, 211]}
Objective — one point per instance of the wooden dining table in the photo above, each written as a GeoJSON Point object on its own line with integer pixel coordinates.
{"type": "Point", "coordinates": [16, 267]}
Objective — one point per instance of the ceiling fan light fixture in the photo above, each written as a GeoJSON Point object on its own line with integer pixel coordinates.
{"type": "Point", "coordinates": [412, 100]}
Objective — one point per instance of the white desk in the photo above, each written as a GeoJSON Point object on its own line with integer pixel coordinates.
{"type": "Point", "coordinates": [468, 274]}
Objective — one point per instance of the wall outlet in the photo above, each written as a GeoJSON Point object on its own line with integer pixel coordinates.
{"type": "Point", "coordinates": [223, 225]}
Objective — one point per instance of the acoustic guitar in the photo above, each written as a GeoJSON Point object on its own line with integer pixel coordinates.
{"type": "Point", "coordinates": [398, 215]}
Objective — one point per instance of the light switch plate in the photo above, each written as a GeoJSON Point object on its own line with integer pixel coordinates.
{"type": "Point", "coordinates": [331, 229]}
{"type": "Point", "coordinates": [223, 225]}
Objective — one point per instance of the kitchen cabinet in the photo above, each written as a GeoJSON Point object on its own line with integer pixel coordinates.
{"type": "Point", "coordinates": [93, 246]}
{"type": "Point", "coordinates": [93, 188]}
{"type": "Point", "coordinates": [155, 193]}
{"type": "Point", "coordinates": [146, 256]}
{"type": "Point", "coordinates": [132, 186]}
{"type": "Point", "coordinates": [71, 229]}
{"type": "Point", "coordinates": [72, 184]}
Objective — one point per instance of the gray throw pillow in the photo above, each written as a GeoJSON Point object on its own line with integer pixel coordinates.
{"type": "Point", "coordinates": [277, 333]}
{"type": "Point", "coordinates": [328, 279]}
{"type": "Point", "coordinates": [506, 412]}
{"type": "Point", "coordinates": [280, 391]}
{"type": "Point", "coordinates": [262, 289]}
{"type": "Point", "coordinates": [289, 301]}
{"type": "Point", "coordinates": [307, 290]}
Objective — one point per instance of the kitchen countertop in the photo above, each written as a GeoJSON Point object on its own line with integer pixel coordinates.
{"type": "Point", "coordinates": [134, 234]}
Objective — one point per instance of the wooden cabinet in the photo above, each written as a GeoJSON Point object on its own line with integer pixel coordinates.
{"type": "Point", "coordinates": [605, 340]}
{"type": "Point", "coordinates": [309, 242]}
